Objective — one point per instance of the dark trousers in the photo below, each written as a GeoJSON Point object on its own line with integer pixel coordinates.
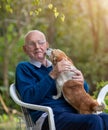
{"type": "Point", "coordinates": [70, 121]}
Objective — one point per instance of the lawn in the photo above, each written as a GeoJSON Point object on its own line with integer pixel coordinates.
{"type": "Point", "coordinates": [15, 123]}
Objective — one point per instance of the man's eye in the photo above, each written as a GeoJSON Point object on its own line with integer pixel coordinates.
{"type": "Point", "coordinates": [30, 44]}
{"type": "Point", "coordinates": [41, 42]}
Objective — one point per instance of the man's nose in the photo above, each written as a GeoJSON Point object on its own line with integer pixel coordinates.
{"type": "Point", "coordinates": [36, 45]}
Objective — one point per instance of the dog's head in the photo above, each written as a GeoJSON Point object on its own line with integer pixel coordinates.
{"type": "Point", "coordinates": [56, 55]}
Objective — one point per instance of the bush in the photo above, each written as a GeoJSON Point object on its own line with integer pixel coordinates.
{"type": "Point", "coordinates": [98, 88]}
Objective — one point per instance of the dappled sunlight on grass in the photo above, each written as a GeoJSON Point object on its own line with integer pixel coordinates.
{"type": "Point", "coordinates": [15, 123]}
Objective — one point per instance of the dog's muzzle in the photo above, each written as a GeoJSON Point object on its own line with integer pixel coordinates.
{"type": "Point", "coordinates": [49, 51]}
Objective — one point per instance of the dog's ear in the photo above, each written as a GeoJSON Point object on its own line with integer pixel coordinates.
{"type": "Point", "coordinates": [54, 60]}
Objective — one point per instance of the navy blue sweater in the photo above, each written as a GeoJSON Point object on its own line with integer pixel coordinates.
{"type": "Point", "coordinates": [35, 86]}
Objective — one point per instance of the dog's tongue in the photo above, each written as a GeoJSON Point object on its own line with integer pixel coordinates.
{"type": "Point", "coordinates": [48, 52]}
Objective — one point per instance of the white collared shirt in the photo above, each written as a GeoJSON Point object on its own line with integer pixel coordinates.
{"type": "Point", "coordinates": [38, 64]}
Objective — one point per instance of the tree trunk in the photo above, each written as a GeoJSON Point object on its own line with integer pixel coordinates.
{"type": "Point", "coordinates": [94, 28]}
{"type": "Point", "coordinates": [4, 105]}
{"type": "Point", "coordinates": [105, 24]}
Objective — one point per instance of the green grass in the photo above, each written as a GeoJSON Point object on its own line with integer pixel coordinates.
{"type": "Point", "coordinates": [15, 123]}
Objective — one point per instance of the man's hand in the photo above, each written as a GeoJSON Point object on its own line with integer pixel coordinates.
{"type": "Point", "coordinates": [60, 67]}
{"type": "Point", "coordinates": [66, 66]}
{"type": "Point", "coordinates": [78, 75]}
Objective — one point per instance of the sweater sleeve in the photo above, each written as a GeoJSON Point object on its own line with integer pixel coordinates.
{"type": "Point", "coordinates": [29, 87]}
{"type": "Point", "coordinates": [86, 86]}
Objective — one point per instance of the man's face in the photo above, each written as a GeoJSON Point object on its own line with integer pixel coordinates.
{"type": "Point", "coordinates": [36, 46]}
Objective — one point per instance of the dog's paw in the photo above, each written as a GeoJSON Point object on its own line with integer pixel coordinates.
{"type": "Point", "coordinates": [55, 97]}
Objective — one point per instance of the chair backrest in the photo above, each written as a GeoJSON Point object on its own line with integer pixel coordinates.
{"type": "Point", "coordinates": [103, 92]}
{"type": "Point", "coordinates": [30, 125]}
{"type": "Point", "coordinates": [27, 117]}
{"type": "Point", "coordinates": [16, 97]}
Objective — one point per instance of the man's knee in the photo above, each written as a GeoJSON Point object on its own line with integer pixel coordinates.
{"type": "Point", "coordinates": [94, 120]}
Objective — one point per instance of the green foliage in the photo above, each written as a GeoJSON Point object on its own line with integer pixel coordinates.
{"type": "Point", "coordinates": [3, 89]}
{"type": "Point", "coordinates": [14, 123]}
{"type": "Point", "coordinates": [106, 101]}
{"type": "Point", "coordinates": [11, 104]}
{"type": "Point", "coordinates": [94, 67]}
{"type": "Point", "coordinates": [48, 5]}
{"type": "Point", "coordinates": [98, 87]}
{"type": "Point", "coordinates": [4, 118]}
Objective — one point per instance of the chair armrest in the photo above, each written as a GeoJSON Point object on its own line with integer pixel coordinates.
{"type": "Point", "coordinates": [103, 92]}
{"type": "Point", "coordinates": [46, 109]}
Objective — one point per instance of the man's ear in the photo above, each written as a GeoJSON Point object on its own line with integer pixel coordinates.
{"type": "Point", "coordinates": [25, 49]}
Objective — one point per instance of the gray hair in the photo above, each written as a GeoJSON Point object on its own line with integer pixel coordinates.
{"type": "Point", "coordinates": [37, 31]}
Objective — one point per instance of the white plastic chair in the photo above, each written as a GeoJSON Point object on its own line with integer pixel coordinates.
{"type": "Point", "coordinates": [29, 124]}
{"type": "Point", "coordinates": [103, 92]}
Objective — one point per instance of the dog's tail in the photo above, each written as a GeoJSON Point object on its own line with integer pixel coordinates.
{"type": "Point", "coordinates": [99, 108]}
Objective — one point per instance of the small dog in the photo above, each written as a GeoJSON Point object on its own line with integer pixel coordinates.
{"type": "Point", "coordinates": [73, 91]}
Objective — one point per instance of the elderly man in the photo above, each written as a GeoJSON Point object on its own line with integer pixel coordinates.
{"type": "Point", "coordinates": [35, 82]}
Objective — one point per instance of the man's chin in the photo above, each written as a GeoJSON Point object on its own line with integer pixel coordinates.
{"type": "Point", "coordinates": [40, 58]}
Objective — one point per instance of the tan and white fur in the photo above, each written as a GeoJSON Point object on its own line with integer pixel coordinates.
{"type": "Point", "coordinates": [73, 91]}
